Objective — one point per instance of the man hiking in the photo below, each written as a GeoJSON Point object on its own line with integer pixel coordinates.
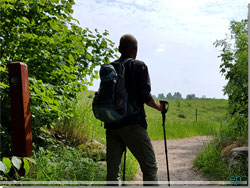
{"type": "Point", "coordinates": [132, 131]}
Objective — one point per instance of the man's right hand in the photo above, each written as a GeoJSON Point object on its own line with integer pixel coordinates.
{"type": "Point", "coordinates": [156, 105]}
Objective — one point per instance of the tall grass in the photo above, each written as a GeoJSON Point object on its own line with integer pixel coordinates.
{"type": "Point", "coordinates": [181, 118]}
{"type": "Point", "coordinates": [131, 168]}
{"type": "Point", "coordinates": [216, 167]}
{"type": "Point", "coordinates": [85, 127]}
{"type": "Point", "coordinates": [64, 163]}
{"type": "Point", "coordinates": [181, 129]}
{"type": "Point", "coordinates": [207, 109]}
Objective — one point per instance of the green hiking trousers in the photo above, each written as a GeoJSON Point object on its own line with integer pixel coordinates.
{"type": "Point", "coordinates": [136, 138]}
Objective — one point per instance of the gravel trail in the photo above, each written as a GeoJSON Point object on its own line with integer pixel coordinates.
{"type": "Point", "coordinates": [181, 154]}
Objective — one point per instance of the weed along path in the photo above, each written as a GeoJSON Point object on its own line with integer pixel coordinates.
{"type": "Point", "coordinates": [181, 154]}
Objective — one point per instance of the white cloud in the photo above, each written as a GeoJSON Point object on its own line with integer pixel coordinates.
{"type": "Point", "coordinates": [160, 50]}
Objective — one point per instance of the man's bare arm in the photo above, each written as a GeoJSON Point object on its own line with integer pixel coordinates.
{"type": "Point", "coordinates": [154, 104]}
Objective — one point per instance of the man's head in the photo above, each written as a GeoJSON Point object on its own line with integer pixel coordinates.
{"type": "Point", "coordinates": [128, 45]}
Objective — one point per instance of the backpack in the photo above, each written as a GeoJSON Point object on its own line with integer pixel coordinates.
{"type": "Point", "coordinates": [110, 103]}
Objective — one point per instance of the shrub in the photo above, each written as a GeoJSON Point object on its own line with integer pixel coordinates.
{"type": "Point", "coordinates": [60, 56]}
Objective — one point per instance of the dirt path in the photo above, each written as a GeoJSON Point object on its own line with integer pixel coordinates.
{"type": "Point", "coordinates": [181, 153]}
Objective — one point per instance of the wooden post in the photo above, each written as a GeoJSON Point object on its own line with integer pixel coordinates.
{"type": "Point", "coordinates": [20, 109]}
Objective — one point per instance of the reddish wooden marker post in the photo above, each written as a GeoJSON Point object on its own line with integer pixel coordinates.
{"type": "Point", "coordinates": [20, 109]}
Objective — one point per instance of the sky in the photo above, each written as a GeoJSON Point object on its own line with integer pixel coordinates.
{"type": "Point", "coordinates": [175, 38]}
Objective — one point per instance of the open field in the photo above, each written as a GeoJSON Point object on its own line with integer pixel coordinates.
{"type": "Point", "coordinates": [180, 119]}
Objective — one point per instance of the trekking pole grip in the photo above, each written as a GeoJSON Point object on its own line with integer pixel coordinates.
{"type": "Point", "coordinates": [164, 103]}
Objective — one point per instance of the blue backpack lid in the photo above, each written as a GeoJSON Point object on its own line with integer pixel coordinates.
{"type": "Point", "coordinates": [107, 72]}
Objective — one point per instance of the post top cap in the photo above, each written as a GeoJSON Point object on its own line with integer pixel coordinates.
{"type": "Point", "coordinates": [17, 62]}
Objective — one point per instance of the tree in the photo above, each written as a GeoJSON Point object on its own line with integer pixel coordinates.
{"type": "Point", "coordinates": [177, 95]}
{"type": "Point", "coordinates": [60, 56]}
{"type": "Point", "coordinates": [169, 96]}
{"type": "Point", "coordinates": [161, 96]}
{"type": "Point", "coordinates": [191, 97]}
{"type": "Point", "coordinates": [234, 57]}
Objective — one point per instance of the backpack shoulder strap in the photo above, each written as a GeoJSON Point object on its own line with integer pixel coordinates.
{"type": "Point", "coordinates": [122, 62]}
{"type": "Point", "coordinates": [120, 65]}
{"type": "Point", "coordinates": [126, 60]}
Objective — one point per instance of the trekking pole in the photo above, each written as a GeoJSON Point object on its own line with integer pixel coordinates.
{"type": "Point", "coordinates": [124, 166]}
{"type": "Point", "coordinates": [163, 113]}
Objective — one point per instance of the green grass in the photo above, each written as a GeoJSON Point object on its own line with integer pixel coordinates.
{"type": "Point", "coordinates": [83, 126]}
{"type": "Point", "coordinates": [131, 166]}
{"type": "Point", "coordinates": [211, 164]}
{"type": "Point", "coordinates": [216, 168]}
{"type": "Point", "coordinates": [64, 163]}
{"type": "Point", "coordinates": [207, 109]}
{"type": "Point", "coordinates": [180, 129]}
{"type": "Point", "coordinates": [181, 118]}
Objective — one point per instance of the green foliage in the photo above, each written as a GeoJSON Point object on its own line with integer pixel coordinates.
{"type": "Point", "coordinates": [84, 129]}
{"type": "Point", "coordinates": [83, 126]}
{"type": "Point", "coordinates": [217, 168]}
{"type": "Point", "coordinates": [93, 150]}
{"type": "Point", "coordinates": [12, 169]}
{"type": "Point", "coordinates": [16, 162]}
{"type": "Point", "coordinates": [131, 166]}
{"type": "Point", "coordinates": [64, 163]}
{"type": "Point", "coordinates": [181, 115]}
{"type": "Point", "coordinates": [176, 95]}
{"type": "Point", "coordinates": [61, 56]}
{"type": "Point", "coordinates": [161, 96]}
{"type": "Point", "coordinates": [234, 57]}
{"type": "Point", "coordinates": [211, 163]}
{"type": "Point", "coordinates": [191, 97]}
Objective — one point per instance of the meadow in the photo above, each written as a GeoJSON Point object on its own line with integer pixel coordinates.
{"type": "Point", "coordinates": [181, 121]}
{"type": "Point", "coordinates": [186, 118]}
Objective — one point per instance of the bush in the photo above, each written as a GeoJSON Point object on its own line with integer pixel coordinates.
{"type": "Point", "coordinates": [210, 163]}
{"type": "Point", "coordinates": [181, 116]}
{"type": "Point", "coordinates": [60, 56]}
{"type": "Point", "coordinates": [64, 163]}
{"type": "Point", "coordinates": [234, 57]}
{"type": "Point", "coordinates": [217, 168]}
